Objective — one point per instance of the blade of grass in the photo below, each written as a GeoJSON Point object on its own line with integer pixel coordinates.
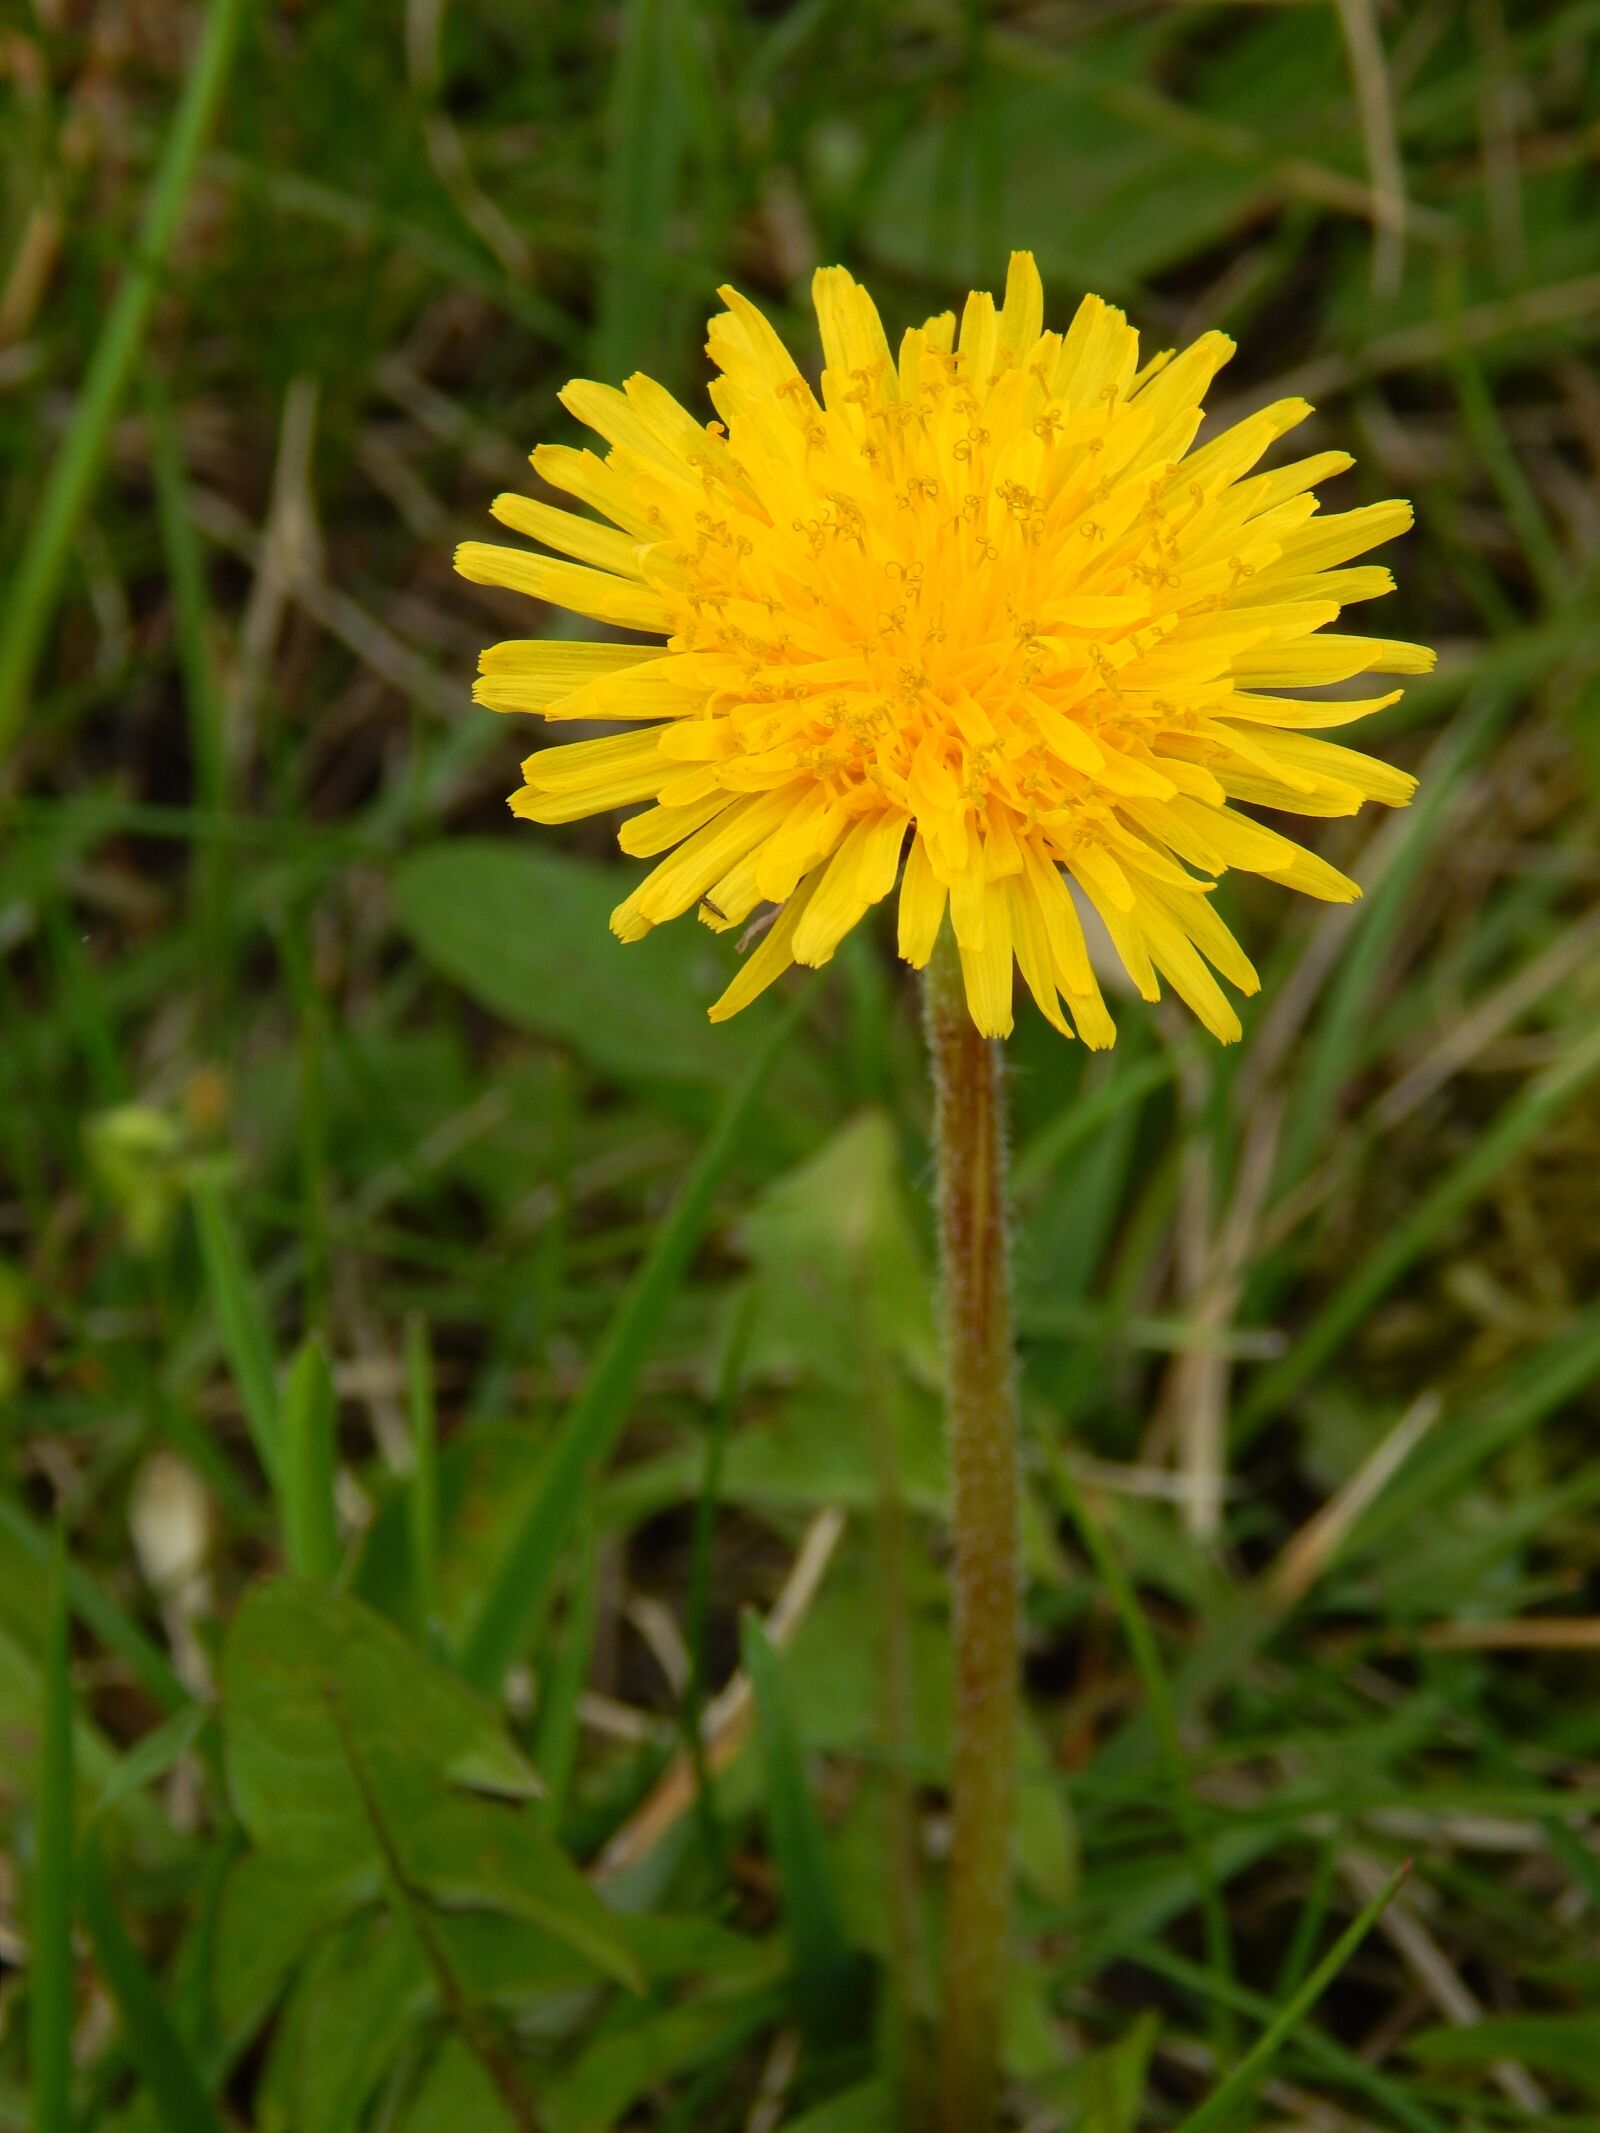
{"type": "Point", "coordinates": [208, 763]}
{"type": "Point", "coordinates": [555, 1746]}
{"type": "Point", "coordinates": [1036, 1163]}
{"type": "Point", "coordinates": [519, 1587]}
{"type": "Point", "coordinates": [824, 1978]}
{"type": "Point", "coordinates": [53, 526]}
{"type": "Point", "coordinates": [1343, 1027]}
{"type": "Point", "coordinates": [1334, 2061]}
{"type": "Point", "coordinates": [152, 2042]}
{"type": "Point", "coordinates": [1509, 1408]}
{"type": "Point", "coordinates": [50, 1981]}
{"type": "Point", "coordinates": [241, 1320]}
{"type": "Point", "coordinates": [1159, 1702]}
{"type": "Point", "coordinates": [422, 1486]}
{"type": "Point", "coordinates": [1498, 455]}
{"type": "Point", "coordinates": [310, 1518]}
{"type": "Point", "coordinates": [697, 1614]}
{"type": "Point", "coordinates": [641, 181]}
{"type": "Point", "coordinates": [1239, 2084]}
{"type": "Point", "coordinates": [1518, 1123]}
{"type": "Point", "coordinates": [98, 1614]}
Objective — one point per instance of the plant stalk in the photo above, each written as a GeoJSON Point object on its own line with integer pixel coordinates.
{"type": "Point", "coordinates": [969, 1133]}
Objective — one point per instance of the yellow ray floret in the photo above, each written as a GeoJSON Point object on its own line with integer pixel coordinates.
{"type": "Point", "coordinates": [971, 617]}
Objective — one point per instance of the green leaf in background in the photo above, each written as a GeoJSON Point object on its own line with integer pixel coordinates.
{"type": "Point", "coordinates": [351, 1752]}
{"type": "Point", "coordinates": [456, 2096]}
{"type": "Point", "coordinates": [291, 1647]}
{"type": "Point", "coordinates": [1104, 181]}
{"type": "Point", "coordinates": [826, 1238]}
{"type": "Point", "coordinates": [270, 1911]}
{"type": "Point", "coordinates": [346, 2021]}
{"type": "Point", "coordinates": [526, 929]}
{"type": "Point", "coordinates": [1112, 2082]}
{"type": "Point", "coordinates": [619, 2067]}
{"type": "Point", "coordinates": [867, 2108]}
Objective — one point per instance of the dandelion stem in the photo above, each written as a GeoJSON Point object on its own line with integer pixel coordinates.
{"type": "Point", "coordinates": [970, 1137]}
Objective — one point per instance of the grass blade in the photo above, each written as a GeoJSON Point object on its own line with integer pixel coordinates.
{"type": "Point", "coordinates": [310, 1518]}
{"type": "Point", "coordinates": [1152, 1674]}
{"type": "Point", "coordinates": [1334, 2061]}
{"type": "Point", "coordinates": [152, 2042]}
{"type": "Point", "coordinates": [99, 1615]}
{"type": "Point", "coordinates": [50, 1980]}
{"type": "Point", "coordinates": [647, 136]}
{"type": "Point", "coordinates": [520, 1587]}
{"type": "Point", "coordinates": [824, 1970]}
{"type": "Point", "coordinates": [422, 1488]}
{"type": "Point", "coordinates": [1344, 1024]}
{"type": "Point", "coordinates": [241, 1320]}
{"type": "Point", "coordinates": [555, 1745]}
{"type": "Point", "coordinates": [53, 526]}
{"type": "Point", "coordinates": [1518, 1123]}
{"type": "Point", "coordinates": [1238, 2085]}
{"type": "Point", "coordinates": [186, 574]}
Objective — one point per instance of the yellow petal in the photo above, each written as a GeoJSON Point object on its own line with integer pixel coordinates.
{"type": "Point", "coordinates": [770, 958]}
{"type": "Point", "coordinates": [532, 673]}
{"type": "Point", "coordinates": [858, 875]}
{"type": "Point", "coordinates": [588, 592]}
{"type": "Point", "coordinates": [922, 900]}
{"type": "Point", "coordinates": [574, 536]}
{"type": "Point", "coordinates": [987, 968]}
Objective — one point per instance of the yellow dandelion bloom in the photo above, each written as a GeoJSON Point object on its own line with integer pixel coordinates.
{"type": "Point", "coordinates": [977, 621]}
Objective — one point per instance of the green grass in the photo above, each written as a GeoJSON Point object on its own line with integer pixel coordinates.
{"type": "Point", "coordinates": [367, 1211]}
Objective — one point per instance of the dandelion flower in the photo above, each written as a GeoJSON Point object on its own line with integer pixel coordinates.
{"type": "Point", "coordinates": [976, 620]}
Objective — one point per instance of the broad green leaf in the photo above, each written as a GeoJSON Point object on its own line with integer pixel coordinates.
{"type": "Point", "coordinates": [354, 2022]}
{"type": "Point", "coordinates": [498, 1957]}
{"type": "Point", "coordinates": [268, 1915]}
{"type": "Point", "coordinates": [867, 2108]}
{"type": "Point", "coordinates": [1046, 1837]}
{"type": "Point", "coordinates": [1048, 160]}
{"type": "Point", "coordinates": [351, 2003]}
{"type": "Point", "coordinates": [347, 1748]}
{"type": "Point", "coordinates": [1111, 2082]}
{"type": "Point", "coordinates": [293, 1648]}
{"type": "Point", "coordinates": [469, 1853]}
{"type": "Point", "coordinates": [620, 2064]}
{"type": "Point", "coordinates": [813, 1449]}
{"type": "Point", "coordinates": [526, 930]}
{"type": "Point", "coordinates": [456, 2096]}
{"type": "Point", "coordinates": [838, 1265]}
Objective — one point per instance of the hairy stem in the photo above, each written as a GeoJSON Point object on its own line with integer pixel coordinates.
{"type": "Point", "coordinates": [970, 1138]}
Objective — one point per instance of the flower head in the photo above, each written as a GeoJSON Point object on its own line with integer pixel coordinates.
{"type": "Point", "coordinates": [977, 620]}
